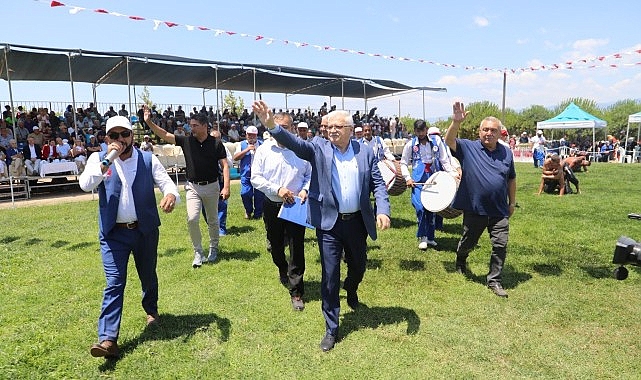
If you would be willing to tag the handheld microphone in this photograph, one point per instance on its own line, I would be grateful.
(110, 157)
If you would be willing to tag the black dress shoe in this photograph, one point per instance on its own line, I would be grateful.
(352, 300)
(328, 342)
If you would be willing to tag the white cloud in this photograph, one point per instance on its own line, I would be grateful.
(395, 19)
(590, 44)
(552, 46)
(522, 41)
(481, 21)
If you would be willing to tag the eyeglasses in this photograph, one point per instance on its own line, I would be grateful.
(115, 135)
(337, 127)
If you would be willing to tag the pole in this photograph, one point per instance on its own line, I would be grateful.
(217, 103)
(504, 86)
(13, 109)
(73, 100)
(423, 105)
(129, 89)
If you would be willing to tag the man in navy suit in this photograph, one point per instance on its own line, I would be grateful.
(343, 176)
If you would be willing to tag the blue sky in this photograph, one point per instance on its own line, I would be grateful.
(487, 34)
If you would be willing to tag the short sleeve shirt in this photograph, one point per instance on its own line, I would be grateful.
(483, 188)
(201, 158)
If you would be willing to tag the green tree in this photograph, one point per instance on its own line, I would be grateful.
(530, 116)
(617, 116)
(145, 97)
(233, 103)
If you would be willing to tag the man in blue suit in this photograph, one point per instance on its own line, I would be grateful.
(344, 175)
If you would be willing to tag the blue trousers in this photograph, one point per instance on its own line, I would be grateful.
(222, 215)
(252, 198)
(350, 236)
(425, 219)
(115, 249)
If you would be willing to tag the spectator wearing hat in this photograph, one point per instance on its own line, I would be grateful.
(302, 128)
(424, 156)
(63, 148)
(128, 224)
(537, 144)
(37, 136)
(233, 134)
(524, 139)
(358, 133)
(252, 199)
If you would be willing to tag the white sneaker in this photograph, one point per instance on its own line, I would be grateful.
(213, 254)
(422, 245)
(198, 260)
(431, 243)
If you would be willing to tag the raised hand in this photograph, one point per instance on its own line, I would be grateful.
(458, 112)
(264, 113)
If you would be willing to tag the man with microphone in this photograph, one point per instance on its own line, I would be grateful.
(128, 223)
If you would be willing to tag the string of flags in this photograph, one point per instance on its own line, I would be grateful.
(615, 60)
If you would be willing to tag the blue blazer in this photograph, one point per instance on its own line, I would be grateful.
(323, 205)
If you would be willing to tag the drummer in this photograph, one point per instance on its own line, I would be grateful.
(424, 157)
(381, 150)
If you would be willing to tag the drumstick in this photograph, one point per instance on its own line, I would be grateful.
(425, 183)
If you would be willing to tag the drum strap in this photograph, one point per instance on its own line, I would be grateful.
(393, 169)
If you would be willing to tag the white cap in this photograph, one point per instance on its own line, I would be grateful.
(433, 131)
(145, 137)
(358, 129)
(302, 124)
(64, 141)
(36, 128)
(252, 129)
(118, 121)
(539, 132)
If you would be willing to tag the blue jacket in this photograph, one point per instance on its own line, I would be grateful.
(144, 197)
(323, 205)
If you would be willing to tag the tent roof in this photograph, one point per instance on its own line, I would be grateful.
(635, 118)
(572, 117)
(51, 64)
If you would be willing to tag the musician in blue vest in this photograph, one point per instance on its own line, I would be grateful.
(252, 198)
(381, 150)
(128, 223)
(424, 157)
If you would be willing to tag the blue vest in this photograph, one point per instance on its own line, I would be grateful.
(143, 193)
(245, 163)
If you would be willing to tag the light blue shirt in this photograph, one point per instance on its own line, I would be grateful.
(345, 181)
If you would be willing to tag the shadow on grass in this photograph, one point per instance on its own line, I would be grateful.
(373, 317)
(239, 230)
(59, 244)
(33, 241)
(454, 229)
(511, 277)
(412, 265)
(238, 255)
(373, 264)
(547, 269)
(600, 272)
(9, 239)
(172, 327)
(402, 223)
(84, 244)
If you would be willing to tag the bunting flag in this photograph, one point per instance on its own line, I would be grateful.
(584, 63)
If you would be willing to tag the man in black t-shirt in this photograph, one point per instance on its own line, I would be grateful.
(202, 155)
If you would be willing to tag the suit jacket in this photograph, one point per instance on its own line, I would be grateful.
(27, 152)
(323, 204)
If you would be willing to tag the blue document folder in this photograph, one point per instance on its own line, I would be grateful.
(295, 212)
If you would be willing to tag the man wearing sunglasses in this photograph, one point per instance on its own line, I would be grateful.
(128, 223)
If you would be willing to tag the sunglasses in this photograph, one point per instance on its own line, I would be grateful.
(115, 135)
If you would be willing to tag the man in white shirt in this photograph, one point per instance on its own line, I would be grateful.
(63, 149)
(279, 174)
(128, 223)
(538, 148)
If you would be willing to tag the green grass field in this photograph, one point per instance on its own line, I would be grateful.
(566, 316)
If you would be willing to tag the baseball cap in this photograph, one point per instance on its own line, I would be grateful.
(302, 124)
(145, 137)
(36, 128)
(358, 129)
(433, 131)
(539, 132)
(504, 132)
(118, 121)
(251, 129)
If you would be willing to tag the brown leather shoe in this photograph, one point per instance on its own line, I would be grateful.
(153, 319)
(106, 349)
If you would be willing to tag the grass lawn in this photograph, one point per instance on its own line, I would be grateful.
(566, 316)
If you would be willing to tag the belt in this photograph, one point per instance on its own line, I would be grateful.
(129, 226)
(272, 202)
(348, 216)
(202, 183)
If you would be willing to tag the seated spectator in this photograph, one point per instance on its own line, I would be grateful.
(146, 144)
(37, 136)
(4, 170)
(49, 151)
(32, 154)
(93, 145)
(232, 133)
(79, 154)
(552, 176)
(180, 130)
(63, 149)
(15, 160)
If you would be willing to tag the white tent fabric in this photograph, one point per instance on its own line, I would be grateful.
(634, 118)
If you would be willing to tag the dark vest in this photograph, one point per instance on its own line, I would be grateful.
(143, 193)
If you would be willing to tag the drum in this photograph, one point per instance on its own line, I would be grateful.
(391, 173)
(438, 193)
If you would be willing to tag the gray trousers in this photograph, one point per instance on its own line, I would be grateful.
(498, 228)
(198, 197)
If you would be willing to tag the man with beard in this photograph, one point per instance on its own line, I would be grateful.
(252, 198)
(128, 223)
(202, 152)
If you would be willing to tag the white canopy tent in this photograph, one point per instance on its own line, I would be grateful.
(634, 118)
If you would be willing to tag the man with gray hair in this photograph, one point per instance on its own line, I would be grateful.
(344, 174)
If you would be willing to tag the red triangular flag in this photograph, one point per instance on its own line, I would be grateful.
(56, 4)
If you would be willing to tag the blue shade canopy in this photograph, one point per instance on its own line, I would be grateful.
(572, 117)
